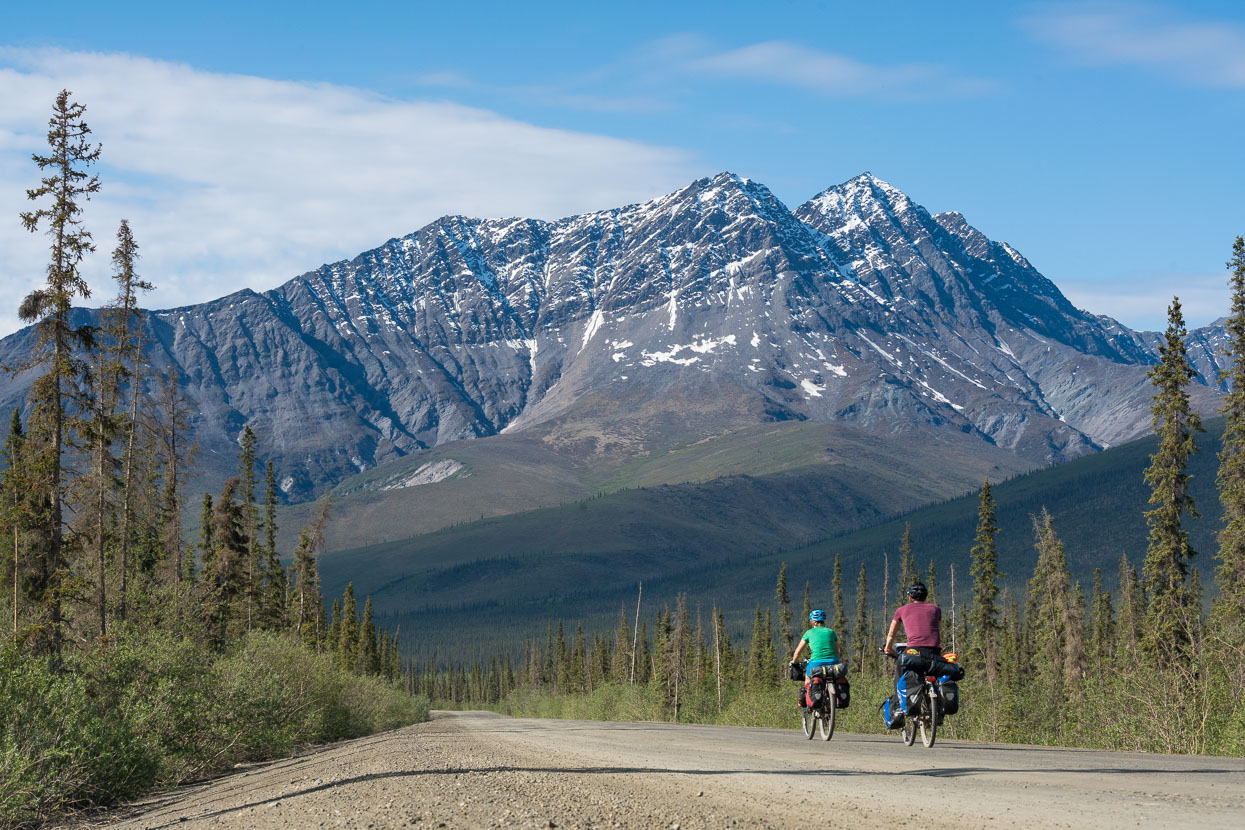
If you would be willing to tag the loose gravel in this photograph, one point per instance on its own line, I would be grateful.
(472, 770)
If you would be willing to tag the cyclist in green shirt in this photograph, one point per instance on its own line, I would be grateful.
(822, 643)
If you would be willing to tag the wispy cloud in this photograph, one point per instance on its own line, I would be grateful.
(656, 76)
(233, 181)
(1141, 302)
(828, 73)
(1206, 53)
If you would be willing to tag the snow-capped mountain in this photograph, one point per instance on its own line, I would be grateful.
(708, 309)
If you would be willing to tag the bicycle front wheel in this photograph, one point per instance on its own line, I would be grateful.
(909, 728)
(809, 719)
(827, 718)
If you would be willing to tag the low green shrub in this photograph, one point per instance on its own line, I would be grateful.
(147, 711)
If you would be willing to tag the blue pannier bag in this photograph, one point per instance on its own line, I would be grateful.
(892, 716)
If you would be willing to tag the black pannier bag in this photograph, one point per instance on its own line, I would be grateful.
(930, 666)
(843, 690)
(796, 670)
(945, 668)
(918, 663)
(950, 696)
(910, 686)
(834, 671)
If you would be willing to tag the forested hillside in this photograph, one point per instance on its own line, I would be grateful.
(721, 542)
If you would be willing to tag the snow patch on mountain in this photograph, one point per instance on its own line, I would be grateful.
(429, 473)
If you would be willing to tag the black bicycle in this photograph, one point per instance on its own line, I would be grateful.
(826, 694)
(932, 700)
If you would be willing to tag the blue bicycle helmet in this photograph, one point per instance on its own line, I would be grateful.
(818, 616)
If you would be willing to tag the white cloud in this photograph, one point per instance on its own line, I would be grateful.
(1141, 302)
(792, 64)
(1202, 53)
(231, 181)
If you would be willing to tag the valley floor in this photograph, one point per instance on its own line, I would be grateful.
(477, 769)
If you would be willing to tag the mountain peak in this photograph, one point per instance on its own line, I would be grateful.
(861, 196)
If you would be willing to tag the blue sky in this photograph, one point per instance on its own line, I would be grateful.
(249, 142)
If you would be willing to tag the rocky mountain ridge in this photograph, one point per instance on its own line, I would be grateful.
(654, 325)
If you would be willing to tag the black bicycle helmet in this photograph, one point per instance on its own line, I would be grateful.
(918, 591)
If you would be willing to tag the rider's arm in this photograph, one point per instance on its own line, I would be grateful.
(798, 649)
(890, 635)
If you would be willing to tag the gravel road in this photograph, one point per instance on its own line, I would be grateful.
(477, 769)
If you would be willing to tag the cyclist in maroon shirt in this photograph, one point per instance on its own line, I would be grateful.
(922, 623)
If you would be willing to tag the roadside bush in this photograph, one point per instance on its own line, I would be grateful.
(144, 711)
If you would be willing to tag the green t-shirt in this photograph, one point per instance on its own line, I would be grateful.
(822, 643)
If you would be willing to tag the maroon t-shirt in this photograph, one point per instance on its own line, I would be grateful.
(921, 621)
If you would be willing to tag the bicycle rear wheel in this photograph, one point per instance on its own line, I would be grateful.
(809, 719)
(929, 723)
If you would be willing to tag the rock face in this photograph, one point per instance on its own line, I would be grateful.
(665, 322)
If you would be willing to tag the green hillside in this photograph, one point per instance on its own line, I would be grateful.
(457, 592)
(507, 474)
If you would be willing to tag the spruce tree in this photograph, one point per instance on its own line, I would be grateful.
(808, 602)
(983, 618)
(862, 620)
(1054, 615)
(274, 575)
(784, 608)
(720, 665)
(98, 489)
(620, 662)
(174, 455)
(643, 661)
(207, 547)
(577, 671)
(756, 650)
(13, 509)
(250, 513)
(52, 421)
(1170, 616)
(1102, 625)
(769, 657)
(306, 597)
(1131, 610)
(348, 631)
(226, 576)
(680, 641)
(124, 326)
(561, 658)
(839, 624)
(1228, 612)
(659, 677)
(366, 652)
(907, 564)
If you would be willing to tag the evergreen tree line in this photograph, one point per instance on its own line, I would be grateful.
(1140, 667)
(94, 479)
(129, 658)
